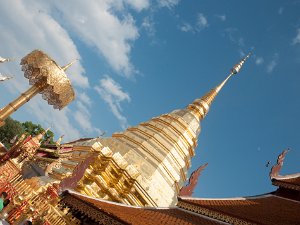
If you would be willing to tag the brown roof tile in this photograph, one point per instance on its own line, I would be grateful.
(268, 209)
(146, 216)
(289, 181)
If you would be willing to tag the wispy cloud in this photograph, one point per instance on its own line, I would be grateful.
(234, 36)
(280, 10)
(186, 27)
(83, 97)
(111, 92)
(259, 60)
(99, 26)
(273, 63)
(138, 4)
(221, 17)
(199, 25)
(168, 3)
(296, 40)
(201, 21)
(149, 25)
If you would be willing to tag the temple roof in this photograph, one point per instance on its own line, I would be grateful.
(264, 209)
(291, 181)
(132, 214)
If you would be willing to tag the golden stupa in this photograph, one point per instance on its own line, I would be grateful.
(145, 165)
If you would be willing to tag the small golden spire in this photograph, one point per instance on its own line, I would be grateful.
(5, 77)
(3, 60)
(42, 134)
(201, 106)
(64, 68)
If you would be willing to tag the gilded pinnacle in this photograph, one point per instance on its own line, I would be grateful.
(200, 107)
(64, 68)
(237, 67)
(3, 60)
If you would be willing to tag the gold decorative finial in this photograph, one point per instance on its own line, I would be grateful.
(64, 68)
(3, 60)
(237, 67)
(5, 77)
(200, 107)
(42, 134)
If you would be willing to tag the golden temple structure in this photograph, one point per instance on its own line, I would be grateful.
(137, 173)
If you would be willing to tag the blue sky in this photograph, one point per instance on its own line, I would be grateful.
(142, 58)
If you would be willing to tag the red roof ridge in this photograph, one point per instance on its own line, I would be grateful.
(288, 176)
(288, 199)
(203, 216)
(230, 198)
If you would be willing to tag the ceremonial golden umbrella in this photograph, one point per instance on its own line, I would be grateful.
(46, 78)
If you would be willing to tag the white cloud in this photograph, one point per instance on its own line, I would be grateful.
(259, 60)
(168, 3)
(221, 17)
(186, 27)
(201, 21)
(59, 121)
(139, 4)
(98, 26)
(296, 40)
(111, 92)
(230, 32)
(148, 25)
(84, 98)
(241, 42)
(273, 63)
(280, 10)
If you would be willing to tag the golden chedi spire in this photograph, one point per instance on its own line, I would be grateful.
(147, 164)
(200, 107)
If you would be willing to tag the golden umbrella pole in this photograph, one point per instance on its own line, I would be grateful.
(47, 78)
(18, 102)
